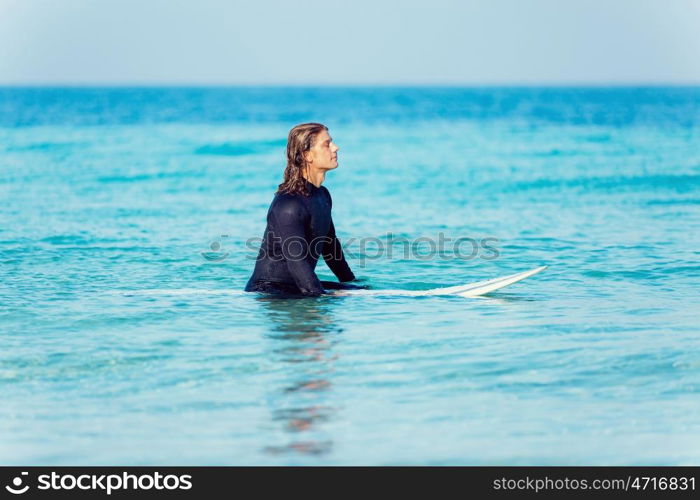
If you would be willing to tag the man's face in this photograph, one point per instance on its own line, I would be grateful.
(324, 153)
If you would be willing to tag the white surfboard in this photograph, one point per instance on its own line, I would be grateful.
(469, 290)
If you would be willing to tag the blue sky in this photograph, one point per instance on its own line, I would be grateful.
(359, 42)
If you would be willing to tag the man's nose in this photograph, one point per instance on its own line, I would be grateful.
(335, 148)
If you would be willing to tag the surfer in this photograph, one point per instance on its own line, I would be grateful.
(299, 224)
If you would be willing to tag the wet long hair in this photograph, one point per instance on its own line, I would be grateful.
(301, 139)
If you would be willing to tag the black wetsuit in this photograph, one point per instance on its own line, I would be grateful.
(299, 230)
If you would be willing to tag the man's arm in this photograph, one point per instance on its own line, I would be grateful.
(289, 216)
(333, 255)
(333, 251)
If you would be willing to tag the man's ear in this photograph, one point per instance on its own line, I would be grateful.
(308, 159)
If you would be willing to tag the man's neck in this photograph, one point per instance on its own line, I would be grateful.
(315, 177)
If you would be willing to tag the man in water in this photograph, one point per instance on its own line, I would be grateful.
(299, 225)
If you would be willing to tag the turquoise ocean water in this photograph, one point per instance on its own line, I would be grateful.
(125, 219)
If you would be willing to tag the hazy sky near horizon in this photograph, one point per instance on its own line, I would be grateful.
(359, 42)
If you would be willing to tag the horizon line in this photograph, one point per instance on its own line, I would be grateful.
(600, 84)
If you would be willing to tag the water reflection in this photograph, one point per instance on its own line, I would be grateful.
(302, 335)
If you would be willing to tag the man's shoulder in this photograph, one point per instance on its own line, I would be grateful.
(288, 204)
